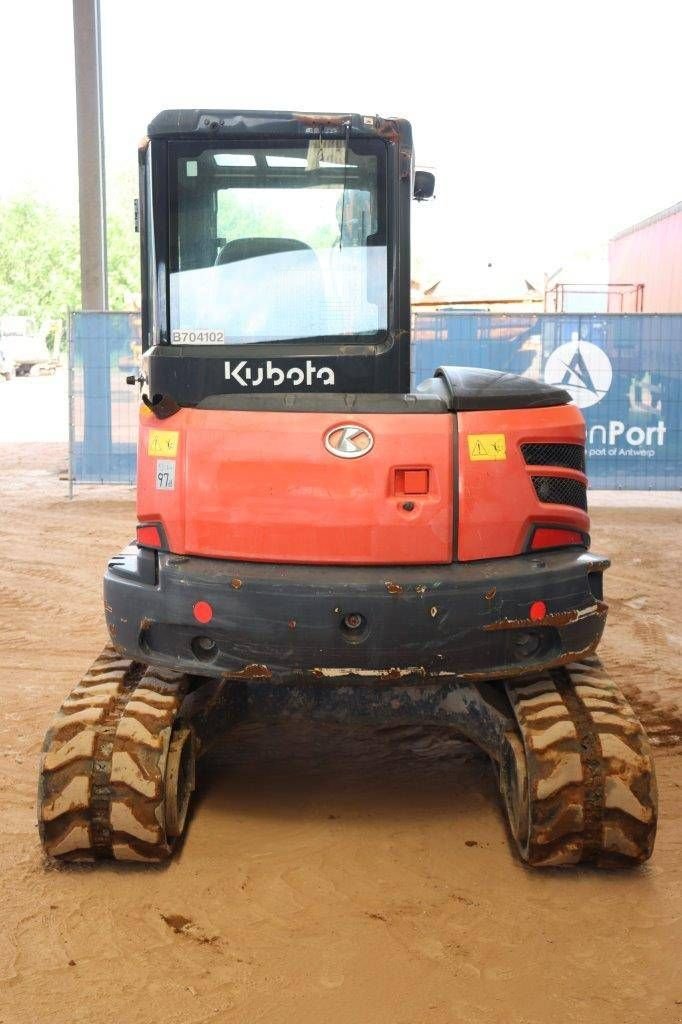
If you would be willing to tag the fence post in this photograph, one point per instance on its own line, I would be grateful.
(69, 387)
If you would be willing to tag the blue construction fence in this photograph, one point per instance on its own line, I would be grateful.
(624, 371)
(104, 348)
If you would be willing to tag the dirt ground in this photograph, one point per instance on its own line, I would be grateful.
(336, 875)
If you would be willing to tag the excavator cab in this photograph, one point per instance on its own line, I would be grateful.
(275, 252)
(314, 536)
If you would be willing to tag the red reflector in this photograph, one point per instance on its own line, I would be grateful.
(149, 536)
(202, 611)
(538, 610)
(545, 537)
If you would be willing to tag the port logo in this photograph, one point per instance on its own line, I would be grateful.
(582, 369)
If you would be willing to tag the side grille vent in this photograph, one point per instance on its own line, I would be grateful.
(569, 456)
(558, 490)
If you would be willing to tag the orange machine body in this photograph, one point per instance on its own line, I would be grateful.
(434, 488)
(497, 503)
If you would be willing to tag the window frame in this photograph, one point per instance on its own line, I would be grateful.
(178, 149)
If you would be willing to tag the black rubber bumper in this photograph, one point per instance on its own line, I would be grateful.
(292, 622)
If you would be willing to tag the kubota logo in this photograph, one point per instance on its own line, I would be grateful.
(253, 376)
(582, 369)
(349, 441)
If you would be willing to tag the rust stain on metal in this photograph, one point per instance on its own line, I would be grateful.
(393, 588)
(513, 671)
(390, 673)
(555, 619)
(420, 589)
(337, 120)
(254, 671)
(490, 594)
(236, 583)
(396, 673)
(387, 128)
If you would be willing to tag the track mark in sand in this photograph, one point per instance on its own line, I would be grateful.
(651, 634)
(43, 572)
(12, 638)
(463, 899)
(659, 710)
(19, 598)
(182, 925)
(663, 722)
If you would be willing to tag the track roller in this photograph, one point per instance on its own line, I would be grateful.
(180, 780)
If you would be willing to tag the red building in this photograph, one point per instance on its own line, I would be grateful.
(648, 257)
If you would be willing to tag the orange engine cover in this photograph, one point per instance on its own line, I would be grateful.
(262, 486)
(497, 503)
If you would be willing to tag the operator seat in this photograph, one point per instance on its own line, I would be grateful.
(249, 248)
(288, 279)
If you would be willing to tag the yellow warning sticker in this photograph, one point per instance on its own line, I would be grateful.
(487, 447)
(163, 443)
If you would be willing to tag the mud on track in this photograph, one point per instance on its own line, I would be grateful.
(329, 875)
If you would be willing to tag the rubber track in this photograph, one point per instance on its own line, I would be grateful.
(101, 784)
(591, 785)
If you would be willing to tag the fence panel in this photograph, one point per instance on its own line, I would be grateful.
(103, 348)
(624, 371)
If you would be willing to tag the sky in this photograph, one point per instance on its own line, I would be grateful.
(550, 126)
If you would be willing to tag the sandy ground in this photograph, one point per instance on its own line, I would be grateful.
(332, 875)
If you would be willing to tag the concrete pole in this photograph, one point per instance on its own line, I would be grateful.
(91, 190)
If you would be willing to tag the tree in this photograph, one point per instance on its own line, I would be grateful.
(40, 257)
(123, 244)
(39, 260)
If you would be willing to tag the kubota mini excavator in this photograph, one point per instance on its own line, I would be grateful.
(315, 538)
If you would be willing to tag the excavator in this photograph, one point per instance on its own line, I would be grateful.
(316, 539)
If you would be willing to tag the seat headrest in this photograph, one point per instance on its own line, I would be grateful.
(248, 248)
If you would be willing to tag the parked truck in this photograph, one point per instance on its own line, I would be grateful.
(24, 347)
